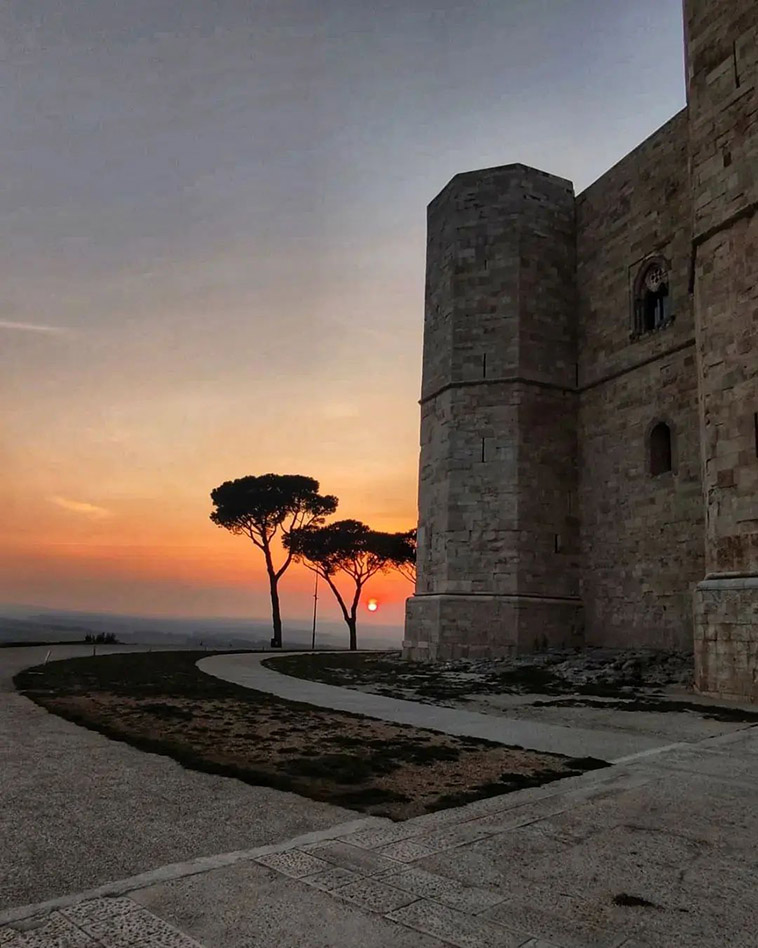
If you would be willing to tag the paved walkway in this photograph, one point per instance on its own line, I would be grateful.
(659, 853)
(248, 670)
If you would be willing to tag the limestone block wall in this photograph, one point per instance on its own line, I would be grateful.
(468, 503)
(497, 492)
(723, 129)
(638, 209)
(641, 536)
(548, 521)
(726, 644)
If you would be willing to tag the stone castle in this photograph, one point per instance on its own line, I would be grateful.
(589, 423)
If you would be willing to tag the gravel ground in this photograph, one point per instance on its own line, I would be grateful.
(591, 671)
(630, 691)
(79, 810)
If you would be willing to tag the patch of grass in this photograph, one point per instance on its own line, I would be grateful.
(372, 797)
(163, 710)
(341, 768)
(346, 740)
(160, 702)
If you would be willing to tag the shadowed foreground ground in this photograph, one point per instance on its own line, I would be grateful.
(659, 851)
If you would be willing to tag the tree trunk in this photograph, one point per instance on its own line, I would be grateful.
(351, 624)
(276, 641)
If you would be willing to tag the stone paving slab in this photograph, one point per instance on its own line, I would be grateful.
(137, 928)
(366, 862)
(92, 911)
(407, 850)
(54, 932)
(457, 928)
(102, 923)
(527, 915)
(374, 895)
(465, 898)
(247, 670)
(295, 864)
(251, 906)
(332, 879)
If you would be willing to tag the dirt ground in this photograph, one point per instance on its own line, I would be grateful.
(162, 703)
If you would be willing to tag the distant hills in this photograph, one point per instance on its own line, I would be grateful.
(34, 624)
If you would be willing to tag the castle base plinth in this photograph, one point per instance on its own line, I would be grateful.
(443, 627)
(726, 638)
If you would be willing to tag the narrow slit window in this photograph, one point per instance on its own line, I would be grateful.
(652, 303)
(661, 460)
(655, 307)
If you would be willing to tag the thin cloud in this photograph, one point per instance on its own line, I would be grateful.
(32, 327)
(81, 507)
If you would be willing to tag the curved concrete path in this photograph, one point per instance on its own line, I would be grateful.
(247, 670)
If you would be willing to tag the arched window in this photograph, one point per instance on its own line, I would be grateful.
(661, 456)
(652, 299)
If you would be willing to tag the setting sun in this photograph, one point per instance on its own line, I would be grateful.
(372, 605)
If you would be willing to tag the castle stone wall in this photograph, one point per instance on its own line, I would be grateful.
(723, 97)
(498, 462)
(638, 209)
(642, 536)
(546, 368)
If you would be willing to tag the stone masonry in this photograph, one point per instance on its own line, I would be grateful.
(589, 408)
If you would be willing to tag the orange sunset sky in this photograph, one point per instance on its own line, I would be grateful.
(213, 261)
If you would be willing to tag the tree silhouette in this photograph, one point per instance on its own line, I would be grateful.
(264, 507)
(352, 548)
(407, 567)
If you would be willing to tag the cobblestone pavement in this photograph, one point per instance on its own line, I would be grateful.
(657, 853)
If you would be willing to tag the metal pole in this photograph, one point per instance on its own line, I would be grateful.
(315, 605)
